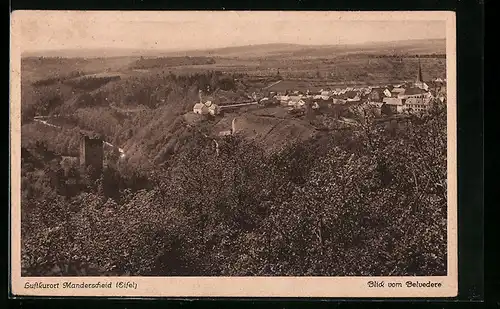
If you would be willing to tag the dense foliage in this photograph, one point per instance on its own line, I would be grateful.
(366, 201)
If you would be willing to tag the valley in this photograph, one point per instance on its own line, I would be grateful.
(261, 160)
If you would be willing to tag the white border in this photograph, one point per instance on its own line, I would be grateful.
(240, 286)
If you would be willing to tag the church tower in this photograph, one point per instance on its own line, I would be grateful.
(419, 83)
(419, 74)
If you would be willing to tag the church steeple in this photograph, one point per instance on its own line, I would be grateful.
(200, 95)
(419, 75)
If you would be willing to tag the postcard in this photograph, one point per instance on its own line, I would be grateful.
(233, 154)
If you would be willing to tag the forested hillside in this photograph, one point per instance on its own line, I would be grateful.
(373, 195)
(308, 197)
(149, 134)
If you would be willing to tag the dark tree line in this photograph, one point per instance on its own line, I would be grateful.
(373, 194)
(150, 63)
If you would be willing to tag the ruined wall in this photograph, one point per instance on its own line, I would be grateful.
(91, 153)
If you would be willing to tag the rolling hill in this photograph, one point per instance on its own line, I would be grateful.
(265, 50)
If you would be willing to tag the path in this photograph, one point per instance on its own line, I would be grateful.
(237, 105)
(275, 83)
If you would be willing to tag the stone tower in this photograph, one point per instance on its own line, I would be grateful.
(91, 153)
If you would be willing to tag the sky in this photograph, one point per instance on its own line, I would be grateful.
(204, 30)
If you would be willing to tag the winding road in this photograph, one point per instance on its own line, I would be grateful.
(43, 120)
(275, 83)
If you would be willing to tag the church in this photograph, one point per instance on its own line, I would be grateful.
(419, 83)
(414, 97)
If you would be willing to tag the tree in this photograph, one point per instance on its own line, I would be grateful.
(386, 110)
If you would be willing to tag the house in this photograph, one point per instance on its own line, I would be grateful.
(338, 100)
(347, 96)
(356, 97)
(225, 133)
(294, 98)
(213, 109)
(200, 108)
(395, 104)
(209, 107)
(296, 102)
(387, 92)
(397, 92)
(415, 104)
(375, 104)
(405, 85)
(377, 95)
(283, 98)
(321, 104)
(318, 97)
(265, 101)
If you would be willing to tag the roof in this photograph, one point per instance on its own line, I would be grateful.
(407, 85)
(199, 106)
(414, 101)
(380, 91)
(347, 95)
(413, 91)
(295, 98)
(393, 101)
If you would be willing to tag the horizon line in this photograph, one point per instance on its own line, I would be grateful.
(221, 47)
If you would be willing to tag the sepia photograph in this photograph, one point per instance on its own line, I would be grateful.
(217, 150)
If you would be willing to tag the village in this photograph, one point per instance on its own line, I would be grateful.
(399, 100)
(403, 98)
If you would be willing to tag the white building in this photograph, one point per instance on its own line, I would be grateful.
(387, 93)
(213, 109)
(415, 105)
(200, 108)
(225, 133)
(396, 104)
(206, 108)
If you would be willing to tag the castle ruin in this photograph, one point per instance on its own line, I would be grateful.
(91, 153)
